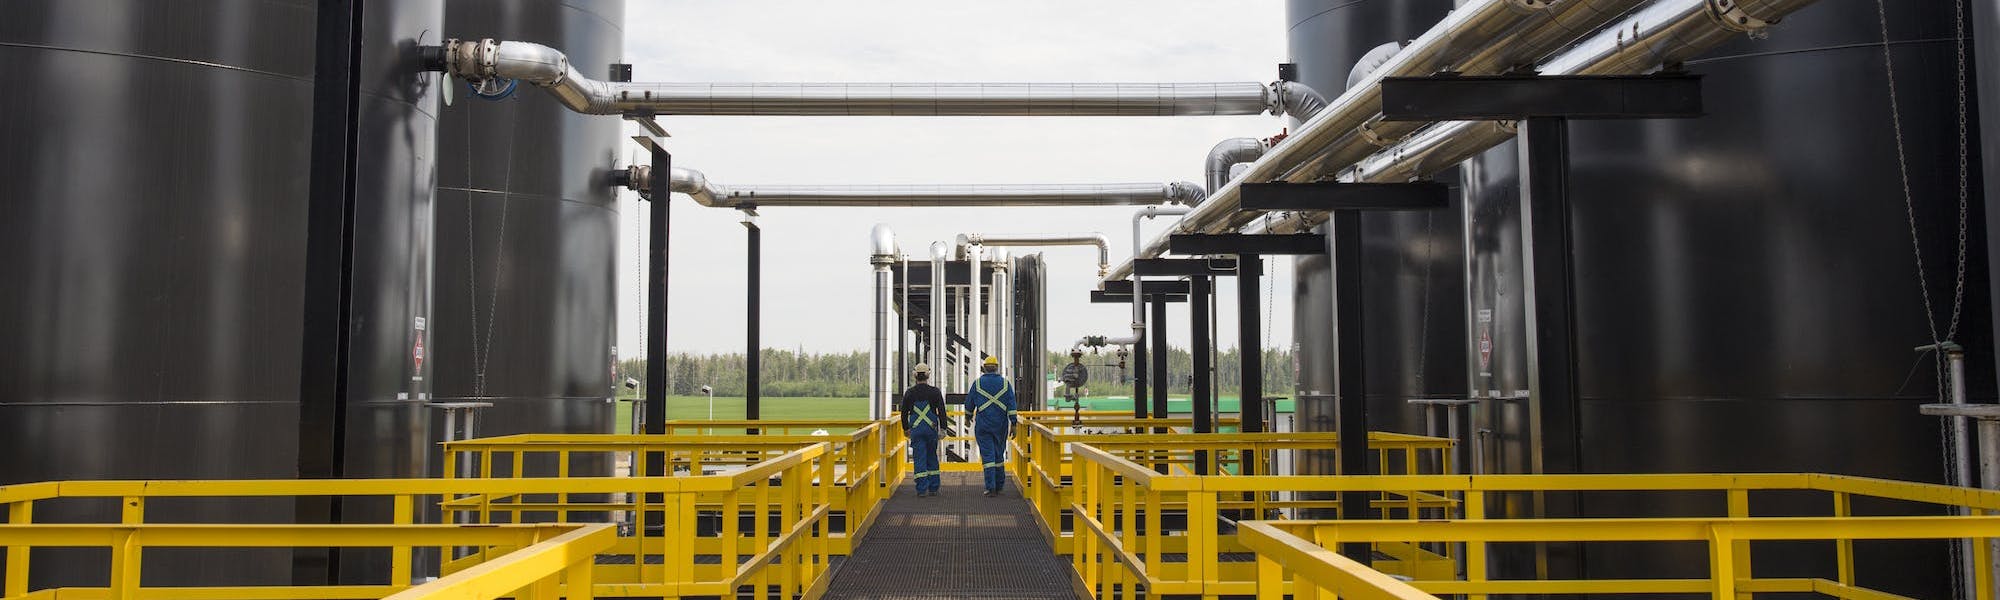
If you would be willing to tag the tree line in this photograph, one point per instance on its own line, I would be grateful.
(788, 373)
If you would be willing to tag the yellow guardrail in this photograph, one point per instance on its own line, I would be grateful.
(1043, 462)
(1118, 503)
(785, 497)
(868, 462)
(539, 558)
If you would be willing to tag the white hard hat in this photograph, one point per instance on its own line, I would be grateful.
(922, 368)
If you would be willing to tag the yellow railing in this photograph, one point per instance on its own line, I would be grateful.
(1118, 500)
(868, 462)
(785, 498)
(536, 559)
(1043, 462)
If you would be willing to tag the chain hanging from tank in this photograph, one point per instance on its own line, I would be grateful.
(1941, 381)
(482, 346)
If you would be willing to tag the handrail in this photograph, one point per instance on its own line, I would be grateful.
(1278, 551)
(1283, 548)
(572, 556)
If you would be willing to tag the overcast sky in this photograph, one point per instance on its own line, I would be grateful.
(816, 272)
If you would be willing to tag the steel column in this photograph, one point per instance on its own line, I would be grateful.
(329, 275)
(1199, 299)
(656, 304)
(753, 360)
(1250, 342)
(1139, 371)
(1349, 320)
(1162, 385)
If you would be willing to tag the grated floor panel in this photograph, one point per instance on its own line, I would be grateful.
(957, 545)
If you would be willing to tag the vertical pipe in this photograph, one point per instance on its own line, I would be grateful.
(975, 320)
(1162, 383)
(903, 328)
(878, 380)
(1476, 454)
(938, 343)
(1250, 343)
(328, 276)
(1350, 379)
(1549, 295)
(1198, 301)
(753, 360)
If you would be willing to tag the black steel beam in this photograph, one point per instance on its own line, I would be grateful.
(1349, 320)
(1240, 244)
(658, 224)
(1124, 287)
(1204, 419)
(1250, 343)
(1184, 267)
(753, 361)
(1162, 384)
(1335, 195)
(1139, 371)
(1511, 97)
(956, 272)
(1100, 297)
(329, 281)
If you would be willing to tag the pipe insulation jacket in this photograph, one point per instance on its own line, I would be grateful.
(1665, 32)
(549, 69)
(708, 193)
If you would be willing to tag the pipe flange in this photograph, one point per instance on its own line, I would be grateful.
(1367, 131)
(1731, 15)
(639, 178)
(1529, 5)
(489, 58)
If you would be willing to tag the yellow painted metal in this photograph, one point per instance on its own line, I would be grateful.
(127, 543)
(799, 481)
(539, 567)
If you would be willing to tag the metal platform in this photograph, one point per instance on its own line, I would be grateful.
(957, 545)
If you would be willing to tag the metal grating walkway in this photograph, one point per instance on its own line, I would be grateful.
(957, 545)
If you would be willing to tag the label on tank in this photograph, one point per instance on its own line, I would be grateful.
(1485, 342)
(417, 352)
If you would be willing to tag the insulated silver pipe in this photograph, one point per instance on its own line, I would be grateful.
(1103, 244)
(1229, 153)
(1138, 237)
(975, 321)
(883, 256)
(1003, 307)
(1665, 32)
(940, 257)
(708, 193)
(549, 69)
(1098, 341)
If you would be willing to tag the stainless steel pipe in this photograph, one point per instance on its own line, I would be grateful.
(1103, 244)
(1665, 32)
(549, 69)
(1227, 154)
(882, 257)
(707, 193)
(940, 257)
(1138, 237)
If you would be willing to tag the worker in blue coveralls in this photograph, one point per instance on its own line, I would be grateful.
(923, 411)
(993, 420)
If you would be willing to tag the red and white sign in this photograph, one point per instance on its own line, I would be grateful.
(417, 352)
(1485, 349)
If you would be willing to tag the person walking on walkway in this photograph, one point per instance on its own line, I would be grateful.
(923, 410)
(993, 421)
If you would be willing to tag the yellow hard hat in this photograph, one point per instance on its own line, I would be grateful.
(991, 361)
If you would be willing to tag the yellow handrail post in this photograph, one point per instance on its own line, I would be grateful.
(788, 518)
(1473, 504)
(1202, 547)
(579, 578)
(562, 499)
(125, 559)
(132, 510)
(399, 556)
(1982, 560)
(1722, 562)
(1844, 548)
(761, 527)
(1739, 508)
(1128, 523)
(732, 528)
(678, 519)
(1270, 579)
(18, 513)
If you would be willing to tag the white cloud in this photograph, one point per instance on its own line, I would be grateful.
(816, 273)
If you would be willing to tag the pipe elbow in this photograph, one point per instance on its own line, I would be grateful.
(1293, 99)
(1184, 192)
(530, 62)
(883, 242)
(940, 252)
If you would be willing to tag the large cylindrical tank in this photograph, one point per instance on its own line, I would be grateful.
(1413, 282)
(1745, 288)
(154, 220)
(527, 233)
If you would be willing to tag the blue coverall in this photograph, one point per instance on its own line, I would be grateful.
(924, 446)
(993, 398)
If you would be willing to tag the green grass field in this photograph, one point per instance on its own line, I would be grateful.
(731, 407)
